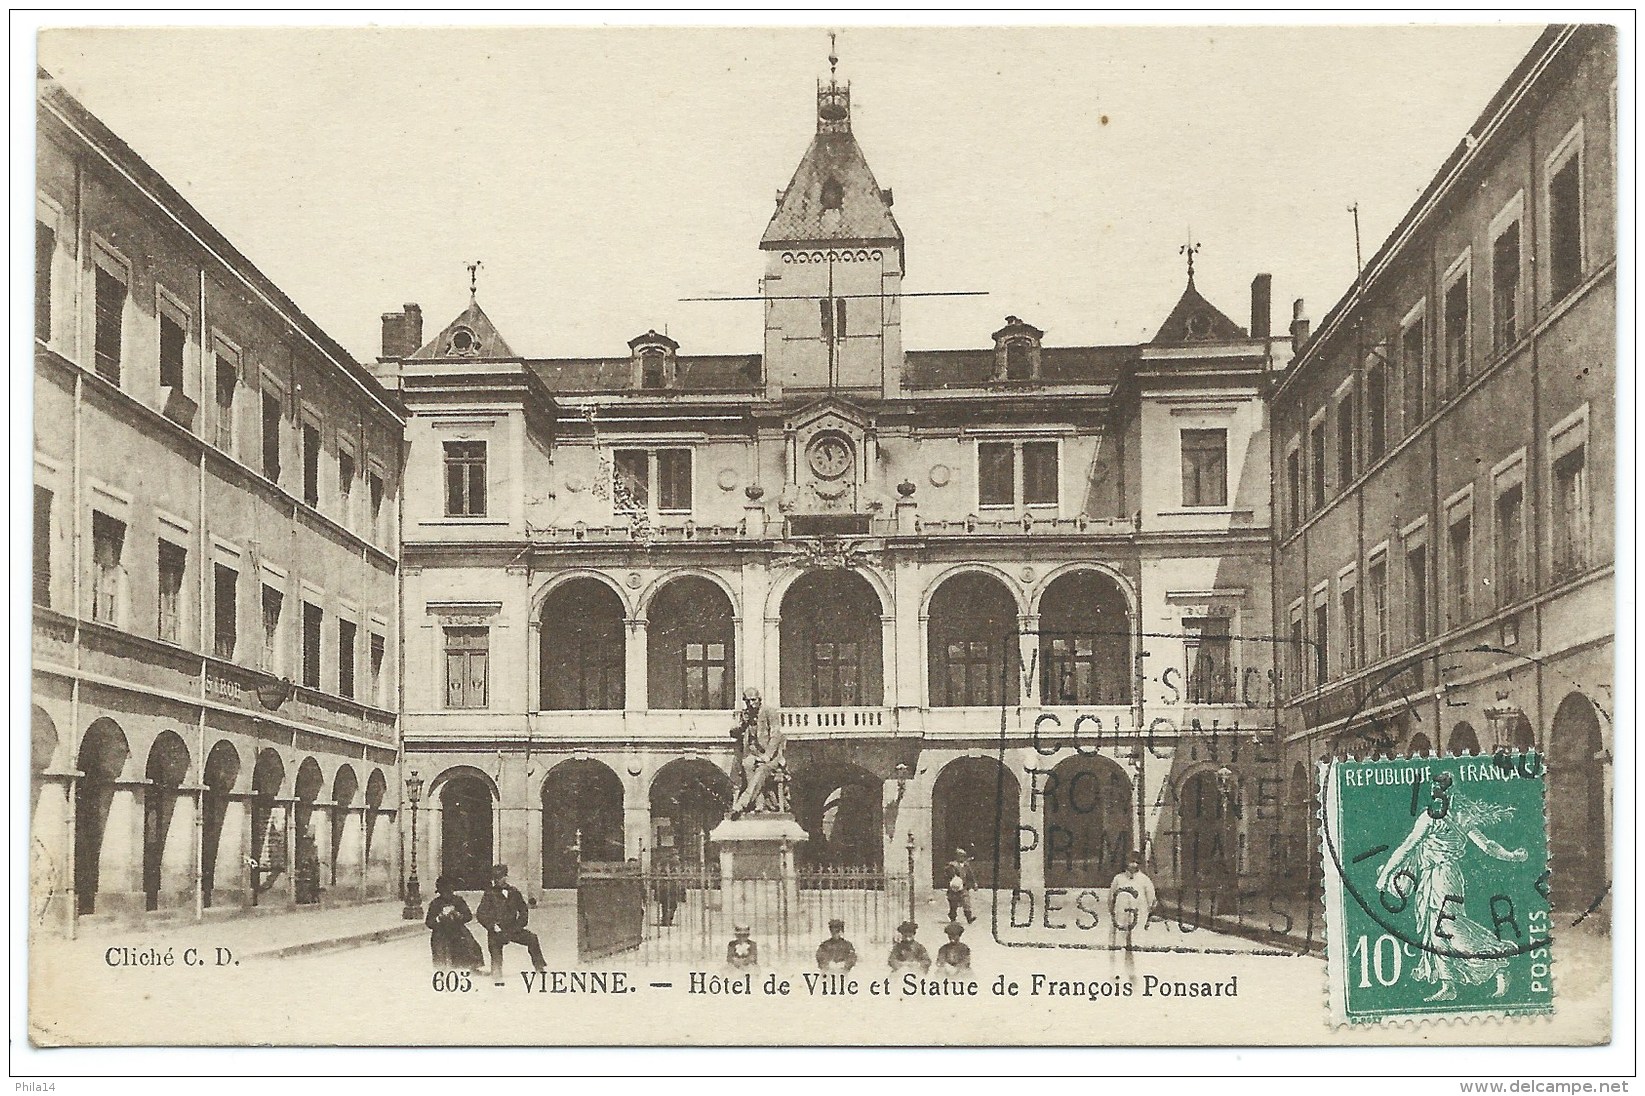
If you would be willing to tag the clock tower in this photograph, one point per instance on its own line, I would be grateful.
(834, 267)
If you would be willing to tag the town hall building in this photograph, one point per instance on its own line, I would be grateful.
(1008, 597)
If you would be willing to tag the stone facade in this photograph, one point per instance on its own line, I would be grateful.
(1446, 559)
(216, 484)
(928, 561)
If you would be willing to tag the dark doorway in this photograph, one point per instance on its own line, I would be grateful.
(1209, 833)
(689, 797)
(582, 819)
(974, 807)
(466, 832)
(102, 758)
(1576, 803)
(841, 809)
(166, 773)
(1086, 833)
(222, 770)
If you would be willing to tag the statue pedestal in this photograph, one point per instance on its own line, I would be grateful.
(759, 883)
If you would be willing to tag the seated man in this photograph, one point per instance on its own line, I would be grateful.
(504, 913)
(761, 742)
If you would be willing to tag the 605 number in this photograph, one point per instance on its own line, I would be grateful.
(453, 981)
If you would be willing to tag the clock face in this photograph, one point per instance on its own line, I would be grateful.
(830, 457)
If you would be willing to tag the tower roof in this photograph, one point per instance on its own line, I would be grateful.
(470, 335)
(1195, 319)
(833, 194)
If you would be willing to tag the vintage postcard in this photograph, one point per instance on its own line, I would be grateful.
(1149, 578)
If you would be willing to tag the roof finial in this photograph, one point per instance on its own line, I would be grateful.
(473, 278)
(833, 59)
(1189, 249)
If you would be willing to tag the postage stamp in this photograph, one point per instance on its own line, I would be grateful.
(1436, 887)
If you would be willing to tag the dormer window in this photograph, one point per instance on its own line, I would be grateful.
(654, 369)
(1017, 351)
(463, 342)
(833, 194)
(652, 357)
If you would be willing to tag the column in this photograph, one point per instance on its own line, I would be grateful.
(894, 696)
(319, 824)
(120, 860)
(51, 887)
(178, 871)
(286, 892)
(1031, 862)
(379, 867)
(229, 885)
(350, 881)
(770, 685)
(905, 646)
(637, 820)
(1028, 666)
(634, 664)
(754, 587)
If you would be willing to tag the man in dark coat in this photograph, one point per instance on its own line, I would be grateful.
(504, 913)
(960, 882)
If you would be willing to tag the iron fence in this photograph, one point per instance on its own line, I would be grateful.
(690, 915)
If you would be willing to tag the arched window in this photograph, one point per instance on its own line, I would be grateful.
(1085, 641)
(971, 648)
(582, 648)
(830, 651)
(690, 647)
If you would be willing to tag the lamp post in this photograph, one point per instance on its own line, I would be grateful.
(910, 875)
(414, 891)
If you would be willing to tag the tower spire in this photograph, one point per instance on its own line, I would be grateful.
(834, 100)
(473, 279)
(1189, 249)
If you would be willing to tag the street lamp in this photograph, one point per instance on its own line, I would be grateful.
(414, 891)
(911, 875)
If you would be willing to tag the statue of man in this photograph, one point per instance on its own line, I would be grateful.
(761, 740)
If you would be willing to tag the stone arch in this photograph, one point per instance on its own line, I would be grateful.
(642, 606)
(788, 577)
(376, 795)
(691, 645)
(44, 745)
(1579, 829)
(1005, 577)
(1087, 807)
(1464, 740)
(688, 796)
(345, 786)
(572, 574)
(308, 787)
(1419, 746)
(582, 818)
(974, 804)
(166, 841)
(269, 836)
(1086, 638)
(463, 804)
(1300, 818)
(841, 806)
(1036, 595)
(831, 640)
(221, 778)
(582, 661)
(1208, 830)
(972, 656)
(102, 849)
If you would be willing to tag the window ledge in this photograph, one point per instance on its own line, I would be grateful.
(499, 522)
(1208, 511)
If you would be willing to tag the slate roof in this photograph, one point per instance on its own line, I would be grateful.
(1211, 325)
(692, 373)
(928, 369)
(865, 210)
(489, 343)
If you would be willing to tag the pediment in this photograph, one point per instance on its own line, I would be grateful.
(829, 412)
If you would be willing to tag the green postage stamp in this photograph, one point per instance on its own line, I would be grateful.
(1436, 888)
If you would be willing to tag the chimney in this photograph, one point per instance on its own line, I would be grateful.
(402, 331)
(1299, 324)
(1262, 306)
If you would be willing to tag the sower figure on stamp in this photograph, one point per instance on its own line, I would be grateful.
(763, 763)
(504, 913)
(1456, 948)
